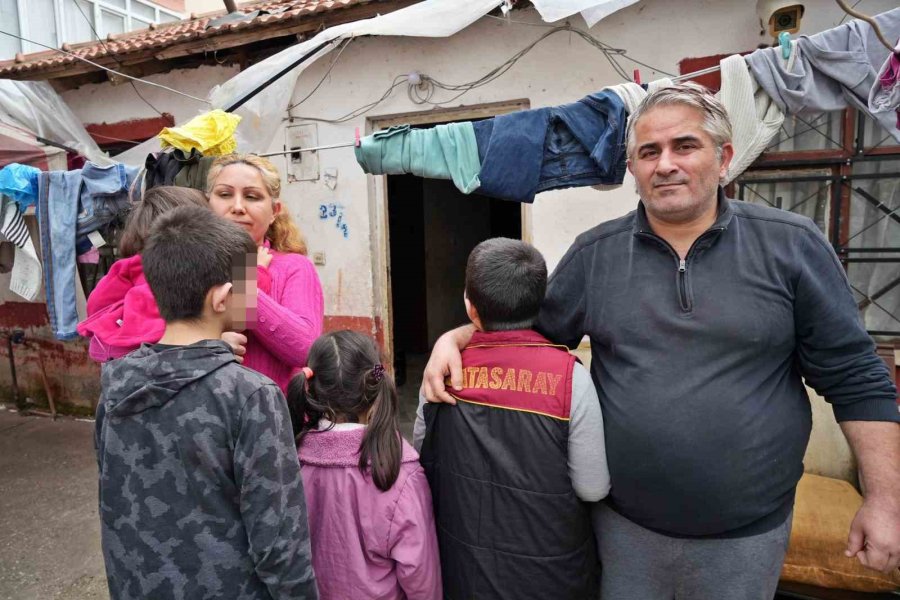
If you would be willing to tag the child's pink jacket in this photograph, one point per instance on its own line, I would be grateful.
(367, 543)
(122, 312)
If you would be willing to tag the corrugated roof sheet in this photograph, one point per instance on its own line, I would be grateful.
(171, 34)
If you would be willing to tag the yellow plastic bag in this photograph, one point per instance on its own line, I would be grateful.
(211, 133)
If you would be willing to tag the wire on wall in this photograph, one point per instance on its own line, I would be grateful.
(421, 88)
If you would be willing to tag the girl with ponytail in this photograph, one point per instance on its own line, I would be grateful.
(369, 504)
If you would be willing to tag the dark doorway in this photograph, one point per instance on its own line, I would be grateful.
(432, 229)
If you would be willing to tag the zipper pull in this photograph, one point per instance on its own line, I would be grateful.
(682, 267)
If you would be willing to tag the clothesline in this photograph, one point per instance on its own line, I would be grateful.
(354, 143)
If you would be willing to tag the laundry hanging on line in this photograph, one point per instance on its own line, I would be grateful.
(176, 167)
(443, 152)
(19, 182)
(25, 270)
(885, 94)
(211, 133)
(832, 70)
(73, 205)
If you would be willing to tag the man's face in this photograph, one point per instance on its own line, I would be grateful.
(674, 164)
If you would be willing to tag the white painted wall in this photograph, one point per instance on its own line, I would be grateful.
(108, 103)
(561, 69)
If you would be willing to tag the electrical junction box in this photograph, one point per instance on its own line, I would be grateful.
(302, 166)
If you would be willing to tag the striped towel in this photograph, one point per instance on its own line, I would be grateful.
(12, 225)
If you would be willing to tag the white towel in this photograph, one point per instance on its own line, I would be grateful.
(755, 118)
(26, 275)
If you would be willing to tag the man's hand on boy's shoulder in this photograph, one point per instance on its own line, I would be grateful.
(445, 360)
(238, 343)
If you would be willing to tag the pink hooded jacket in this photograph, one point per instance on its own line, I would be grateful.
(367, 543)
(122, 312)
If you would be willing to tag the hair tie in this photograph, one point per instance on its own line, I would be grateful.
(307, 372)
(378, 372)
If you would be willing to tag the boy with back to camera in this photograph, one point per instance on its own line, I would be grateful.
(200, 488)
(515, 463)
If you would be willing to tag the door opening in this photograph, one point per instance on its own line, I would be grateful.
(432, 228)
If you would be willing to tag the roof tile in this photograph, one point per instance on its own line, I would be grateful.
(170, 34)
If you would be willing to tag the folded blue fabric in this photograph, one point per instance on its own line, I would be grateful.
(531, 151)
(20, 182)
(441, 152)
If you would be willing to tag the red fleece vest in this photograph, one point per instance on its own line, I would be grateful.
(518, 370)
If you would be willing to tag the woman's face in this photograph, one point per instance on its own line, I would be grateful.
(240, 195)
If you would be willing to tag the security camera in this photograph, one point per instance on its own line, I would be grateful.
(777, 16)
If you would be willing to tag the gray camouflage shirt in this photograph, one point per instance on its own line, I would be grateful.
(200, 487)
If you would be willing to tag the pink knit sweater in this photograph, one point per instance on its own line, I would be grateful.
(289, 319)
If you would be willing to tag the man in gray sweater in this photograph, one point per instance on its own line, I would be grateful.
(705, 315)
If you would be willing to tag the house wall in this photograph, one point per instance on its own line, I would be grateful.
(560, 69)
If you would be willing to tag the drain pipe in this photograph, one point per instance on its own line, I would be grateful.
(16, 336)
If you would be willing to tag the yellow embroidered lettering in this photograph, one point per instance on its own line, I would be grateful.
(540, 384)
(471, 373)
(482, 378)
(554, 381)
(524, 380)
(509, 383)
(496, 378)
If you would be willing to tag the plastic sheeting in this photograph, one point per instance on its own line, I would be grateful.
(263, 114)
(35, 106)
(591, 10)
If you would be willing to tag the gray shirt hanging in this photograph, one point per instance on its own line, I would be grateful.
(832, 70)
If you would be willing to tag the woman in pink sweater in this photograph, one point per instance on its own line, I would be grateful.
(246, 190)
(371, 523)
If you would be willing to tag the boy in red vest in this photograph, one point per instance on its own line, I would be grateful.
(515, 464)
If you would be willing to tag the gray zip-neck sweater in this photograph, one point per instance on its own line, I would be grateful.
(698, 363)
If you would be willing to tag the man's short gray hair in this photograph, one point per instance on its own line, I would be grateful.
(694, 95)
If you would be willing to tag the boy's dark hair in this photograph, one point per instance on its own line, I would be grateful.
(189, 251)
(505, 281)
(155, 202)
(348, 380)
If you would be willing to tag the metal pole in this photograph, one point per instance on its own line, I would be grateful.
(12, 370)
(230, 6)
(233, 107)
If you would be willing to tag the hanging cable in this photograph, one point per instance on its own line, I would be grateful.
(421, 88)
(113, 54)
(399, 80)
(115, 139)
(99, 66)
(324, 77)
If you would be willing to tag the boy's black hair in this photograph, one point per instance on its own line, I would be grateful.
(506, 281)
(189, 251)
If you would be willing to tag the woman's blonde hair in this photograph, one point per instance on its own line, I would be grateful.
(283, 234)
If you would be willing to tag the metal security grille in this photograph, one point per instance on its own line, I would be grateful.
(843, 171)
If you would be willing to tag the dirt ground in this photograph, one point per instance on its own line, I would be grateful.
(49, 531)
